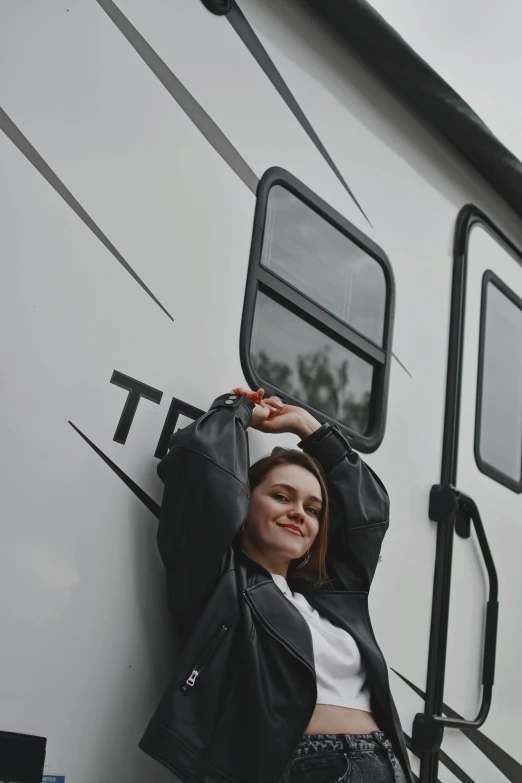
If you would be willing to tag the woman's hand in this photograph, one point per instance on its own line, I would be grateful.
(271, 415)
(263, 407)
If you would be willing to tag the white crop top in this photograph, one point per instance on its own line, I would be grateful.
(341, 678)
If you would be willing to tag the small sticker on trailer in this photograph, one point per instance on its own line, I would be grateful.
(53, 779)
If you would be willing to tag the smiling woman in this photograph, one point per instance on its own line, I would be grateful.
(286, 531)
(268, 568)
(287, 524)
(288, 519)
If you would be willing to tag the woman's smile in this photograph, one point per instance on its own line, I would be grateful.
(291, 529)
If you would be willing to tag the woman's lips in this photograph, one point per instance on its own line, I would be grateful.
(294, 530)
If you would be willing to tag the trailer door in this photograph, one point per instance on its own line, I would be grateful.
(474, 674)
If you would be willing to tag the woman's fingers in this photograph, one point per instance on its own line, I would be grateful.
(250, 395)
(241, 390)
(273, 403)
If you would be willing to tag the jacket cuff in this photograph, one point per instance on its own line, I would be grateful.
(327, 445)
(238, 403)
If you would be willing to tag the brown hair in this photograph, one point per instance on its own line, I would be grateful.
(257, 473)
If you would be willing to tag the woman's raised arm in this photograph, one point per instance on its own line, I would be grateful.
(204, 504)
(359, 508)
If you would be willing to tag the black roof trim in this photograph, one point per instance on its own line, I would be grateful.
(380, 47)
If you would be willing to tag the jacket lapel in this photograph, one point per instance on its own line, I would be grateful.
(345, 609)
(282, 619)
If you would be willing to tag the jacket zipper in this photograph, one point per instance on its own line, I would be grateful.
(281, 641)
(203, 660)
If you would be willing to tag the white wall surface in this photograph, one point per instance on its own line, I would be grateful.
(87, 650)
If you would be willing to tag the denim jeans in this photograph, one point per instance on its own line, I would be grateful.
(344, 758)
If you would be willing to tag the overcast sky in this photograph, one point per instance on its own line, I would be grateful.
(475, 46)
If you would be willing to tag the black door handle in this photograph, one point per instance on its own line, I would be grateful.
(446, 504)
(468, 505)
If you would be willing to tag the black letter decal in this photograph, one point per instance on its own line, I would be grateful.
(177, 407)
(136, 390)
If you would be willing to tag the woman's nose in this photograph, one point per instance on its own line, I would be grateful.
(297, 512)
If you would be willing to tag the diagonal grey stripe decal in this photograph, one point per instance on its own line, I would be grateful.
(402, 365)
(240, 24)
(453, 767)
(194, 111)
(26, 148)
(449, 763)
(138, 491)
(502, 760)
(407, 739)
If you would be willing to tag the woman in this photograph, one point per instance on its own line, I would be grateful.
(268, 570)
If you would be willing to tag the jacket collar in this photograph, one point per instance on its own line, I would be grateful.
(297, 584)
(343, 608)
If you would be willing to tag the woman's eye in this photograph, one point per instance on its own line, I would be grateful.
(313, 510)
(280, 497)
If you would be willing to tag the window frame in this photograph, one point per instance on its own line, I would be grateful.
(485, 467)
(268, 282)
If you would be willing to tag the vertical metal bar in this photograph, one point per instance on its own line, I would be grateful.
(445, 530)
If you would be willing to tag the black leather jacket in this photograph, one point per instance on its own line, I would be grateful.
(244, 688)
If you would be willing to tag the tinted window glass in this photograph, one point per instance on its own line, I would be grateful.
(500, 443)
(289, 353)
(320, 261)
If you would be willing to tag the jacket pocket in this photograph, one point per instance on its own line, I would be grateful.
(203, 659)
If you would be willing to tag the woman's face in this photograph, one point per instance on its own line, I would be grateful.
(288, 496)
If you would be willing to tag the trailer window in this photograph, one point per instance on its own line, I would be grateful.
(498, 436)
(323, 263)
(316, 323)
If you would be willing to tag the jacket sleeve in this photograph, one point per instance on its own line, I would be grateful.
(359, 508)
(204, 504)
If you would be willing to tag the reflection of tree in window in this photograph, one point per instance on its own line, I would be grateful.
(320, 384)
(276, 373)
(356, 414)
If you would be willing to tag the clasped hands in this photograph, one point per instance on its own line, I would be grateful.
(272, 415)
